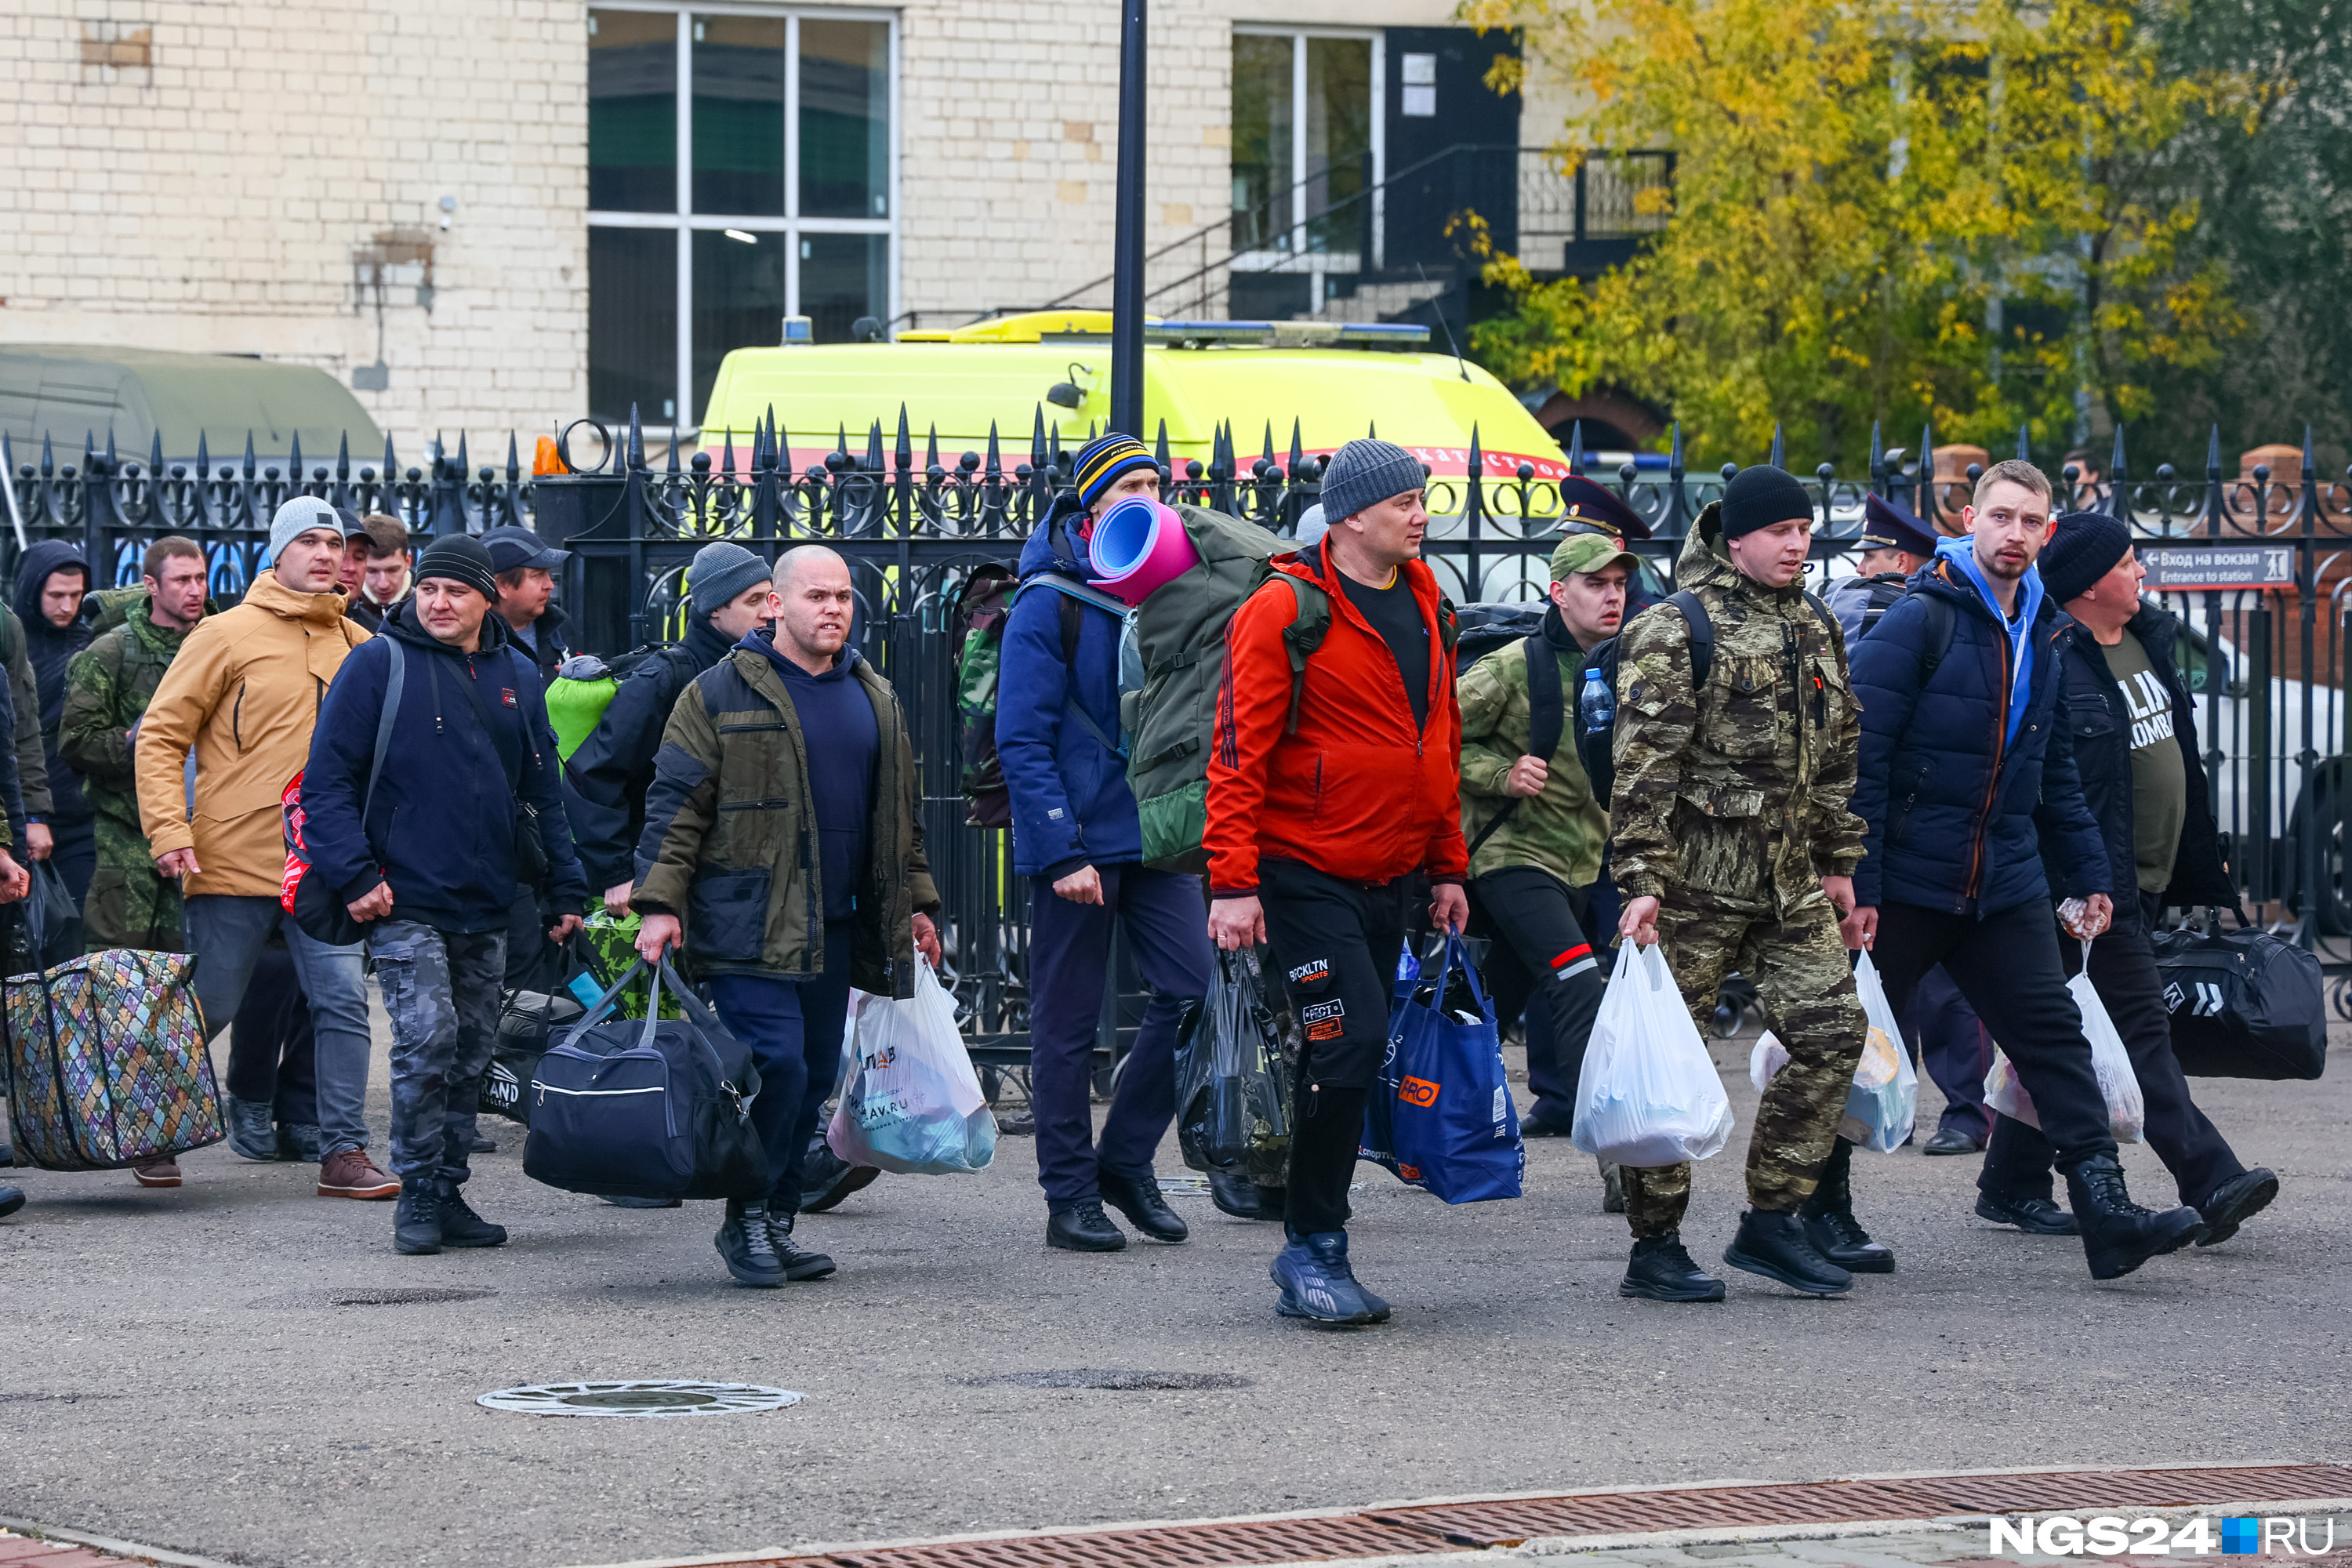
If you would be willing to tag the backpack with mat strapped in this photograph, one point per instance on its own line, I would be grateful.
(657, 1109)
(2244, 1004)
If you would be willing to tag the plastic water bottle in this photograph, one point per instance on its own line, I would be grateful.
(1596, 706)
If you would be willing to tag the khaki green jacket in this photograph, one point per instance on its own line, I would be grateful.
(1562, 830)
(108, 687)
(730, 846)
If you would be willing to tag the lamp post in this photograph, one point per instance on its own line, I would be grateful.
(1126, 281)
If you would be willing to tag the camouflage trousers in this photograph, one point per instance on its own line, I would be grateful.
(1805, 988)
(127, 904)
(441, 990)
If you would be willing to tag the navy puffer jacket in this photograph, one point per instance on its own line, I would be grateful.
(1957, 816)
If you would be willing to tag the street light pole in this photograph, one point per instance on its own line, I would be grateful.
(1127, 282)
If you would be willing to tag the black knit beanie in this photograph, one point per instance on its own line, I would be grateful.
(461, 559)
(2085, 549)
(1762, 496)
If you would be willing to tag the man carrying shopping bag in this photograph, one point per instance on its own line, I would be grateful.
(1734, 847)
(784, 852)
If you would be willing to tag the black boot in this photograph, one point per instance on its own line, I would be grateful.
(1084, 1228)
(11, 1200)
(1829, 1219)
(1775, 1246)
(798, 1262)
(1243, 1198)
(461, 1226)
(416, 1217)
(1137, 1197)
(743, 1243)
(1662, 1271)
(2118, 1236)
(2235, 1202)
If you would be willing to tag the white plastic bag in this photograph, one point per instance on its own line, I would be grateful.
(1885, 1100)
(2118, 1084)
(1765, 1062)
(1649, 1094)
(909, 1101)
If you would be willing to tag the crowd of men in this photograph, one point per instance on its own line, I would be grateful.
(1976, 761)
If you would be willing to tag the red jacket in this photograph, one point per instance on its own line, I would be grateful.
(1355, 794)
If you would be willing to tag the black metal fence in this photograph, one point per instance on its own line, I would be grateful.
(2271, 661)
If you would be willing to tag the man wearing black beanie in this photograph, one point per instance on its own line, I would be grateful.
(2135, 733)
(1733, 845)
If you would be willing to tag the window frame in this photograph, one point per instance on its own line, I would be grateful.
(685, 221)
(1300, 256)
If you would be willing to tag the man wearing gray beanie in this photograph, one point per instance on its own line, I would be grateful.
(607, 778)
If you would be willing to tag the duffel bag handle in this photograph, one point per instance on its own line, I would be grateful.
(604, 1004)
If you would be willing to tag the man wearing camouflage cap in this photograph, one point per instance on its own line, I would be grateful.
(1536, 832)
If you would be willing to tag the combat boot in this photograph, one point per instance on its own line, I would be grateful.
(744, 1243)
(416, 1217)
(1318, 1284)
(1774, 1245)
(797, 1261)
(1661, 1270)
(2118, 1236)
(1829, 1221)
(461, 1226)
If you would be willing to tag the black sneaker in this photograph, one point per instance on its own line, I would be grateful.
(744, 1243)
(300, 1140)
(1239, 1197)
(416, 1218)
(461, 1226)
(251, 1134)
(1661, 1270)
(2036, 1216)
(11, 1200)
(2235, 1202)
(1084, 1228)
(1138, 1199)
(1839, 1237)
(798, 1262)
(1774, 1245)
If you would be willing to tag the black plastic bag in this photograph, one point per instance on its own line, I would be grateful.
(1232, 1086)
(53, 925)
(2244, 1004)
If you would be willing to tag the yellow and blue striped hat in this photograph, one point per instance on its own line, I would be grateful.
(1101, 461)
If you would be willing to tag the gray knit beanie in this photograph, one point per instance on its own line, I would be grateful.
(298, 517)
(1366, 472)
(719, 572)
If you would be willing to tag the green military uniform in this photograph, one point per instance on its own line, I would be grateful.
(1729, 807)
(108, 687)
(1560, 828)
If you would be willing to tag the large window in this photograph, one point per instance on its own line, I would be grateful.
(1307, 152)
(741, 168)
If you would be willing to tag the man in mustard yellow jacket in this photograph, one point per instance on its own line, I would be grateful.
(241, 701)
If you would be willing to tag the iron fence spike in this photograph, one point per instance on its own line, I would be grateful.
(1779, 457)
(636, 438)
(1576, 447)
(1298, 449)
(248, 455)
(931, 449)
(906, 448)
(514, 460)
(2024, 443)
(344, 456)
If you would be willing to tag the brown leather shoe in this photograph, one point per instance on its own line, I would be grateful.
(350, 1174)
(157, 1173)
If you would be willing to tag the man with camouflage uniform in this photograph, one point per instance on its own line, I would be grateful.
(108, 686)
(1734, 844)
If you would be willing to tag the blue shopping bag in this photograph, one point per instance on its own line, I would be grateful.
(1441, 1115)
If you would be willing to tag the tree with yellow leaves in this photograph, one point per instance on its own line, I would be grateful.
(1881, 210)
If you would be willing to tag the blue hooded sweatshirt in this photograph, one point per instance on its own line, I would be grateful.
(1071, 805)
(1961, 552)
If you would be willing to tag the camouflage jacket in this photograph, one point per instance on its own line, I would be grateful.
(1562, 829)
(1740, 790)
(108, 687)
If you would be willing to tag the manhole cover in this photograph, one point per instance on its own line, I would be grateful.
(400, 1294)
(1184, 1186)
(1121, 1382)
(643, 1396)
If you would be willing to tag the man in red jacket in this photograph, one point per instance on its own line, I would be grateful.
(1322, 799)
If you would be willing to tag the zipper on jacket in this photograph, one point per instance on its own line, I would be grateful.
(236, 719)
(1993, 782)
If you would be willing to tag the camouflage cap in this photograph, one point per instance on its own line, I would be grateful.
(1581, 553)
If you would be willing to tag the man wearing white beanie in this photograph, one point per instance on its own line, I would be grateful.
(244, 696)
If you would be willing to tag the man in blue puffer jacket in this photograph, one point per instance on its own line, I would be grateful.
(1075, 836)
(1966, 775)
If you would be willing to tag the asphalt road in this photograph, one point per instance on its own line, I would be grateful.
(172, 1373)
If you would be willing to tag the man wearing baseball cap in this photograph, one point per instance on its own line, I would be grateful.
(244, 695)
(526, 567)
(1536, 832)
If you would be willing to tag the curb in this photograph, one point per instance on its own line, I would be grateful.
(109, 1545)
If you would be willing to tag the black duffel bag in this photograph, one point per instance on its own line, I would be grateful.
(2244, 1004)
(652, 1108)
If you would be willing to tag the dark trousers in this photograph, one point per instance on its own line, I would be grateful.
(1951, 1042)
(441, 997)
(1337, 943)
(1541, 961)
(2122, 972)
(1166, 922)
(273, 1056)
(2007, 965)
(793, 1028)
(76, 859)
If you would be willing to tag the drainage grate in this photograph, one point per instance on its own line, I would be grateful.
(1123, 1381)
(400, 1294)
(643, 1396)
(1446, 1527)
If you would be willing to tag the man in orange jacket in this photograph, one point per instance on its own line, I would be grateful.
(1321, 803)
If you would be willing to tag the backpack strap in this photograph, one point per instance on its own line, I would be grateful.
(1702, 634)
(1938, 641)
(393, 680)
(1073, 594)
(1303, 634)
(1546, 721)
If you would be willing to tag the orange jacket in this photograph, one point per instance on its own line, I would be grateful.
(1354, 793)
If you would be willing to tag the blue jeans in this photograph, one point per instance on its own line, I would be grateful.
(226, 932)
(1069, 966)
(793, 1028)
